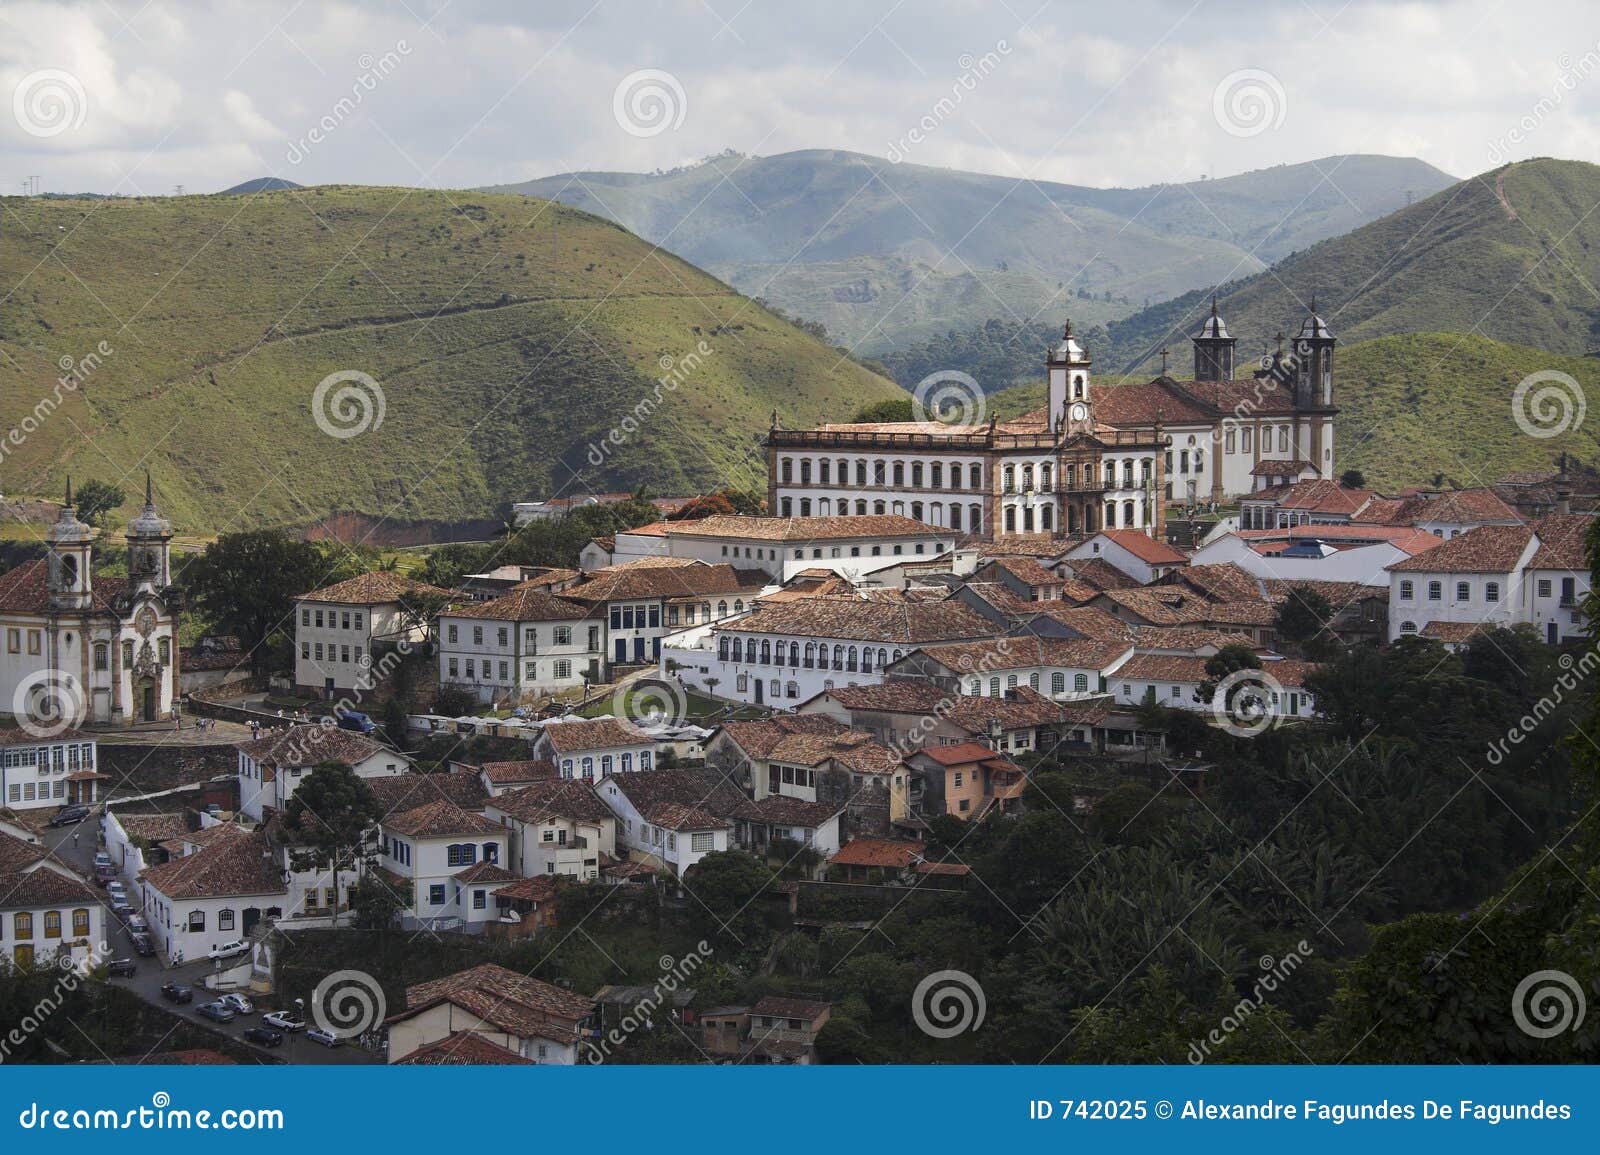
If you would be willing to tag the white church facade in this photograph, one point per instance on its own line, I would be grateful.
(1095, 457)
(76, 649)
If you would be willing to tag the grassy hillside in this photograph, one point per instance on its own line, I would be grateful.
(1513, 254)
(507, 335)
(1421, 404)
(883, 254)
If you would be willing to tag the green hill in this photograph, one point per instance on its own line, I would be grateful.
(1513, 254)
(884, 254)
(507, 336)
(1420, 404)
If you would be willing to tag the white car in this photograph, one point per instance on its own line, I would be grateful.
(116, 890)
(326, 1038)
(284, 1021)
(232, 949)
(239, 1003)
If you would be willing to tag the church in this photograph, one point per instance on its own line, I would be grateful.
(1093, 458)
(79, 649)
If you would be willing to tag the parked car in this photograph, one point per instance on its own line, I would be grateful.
(105, 874)
(120, 908)
(284, 1021)
(122, 968)
(101, 858)
(218, 1010)
(177, 993)
(240, 1004)
(266, 1036)
(357, 721)
(116, 890)
(232, 949)
(143, 945)
(326, 1038)
(137, 924)
(69, 816)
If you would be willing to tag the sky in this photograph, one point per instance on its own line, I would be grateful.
(115, 96)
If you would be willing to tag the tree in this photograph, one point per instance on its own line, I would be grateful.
(707, 505)
(378, 898)
(96, 499)
(893, 409)
(246, 583)
(1353, 479)
(330, 814)
(727, 886)
(1303, 620)
(454, 702)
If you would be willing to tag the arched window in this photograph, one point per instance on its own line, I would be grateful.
(766, 652)
(916, 511)
(975, 687)
(810, 655)
(102, 656)
(1058, 683)
(722, 648)
(916, 474)
(879, 508)
(722, 609)
(644, 759)
(994, 687)
(1127, 513)
(1008, 478)
(491, 852)
(1033, 681)
(898, 654)
(738, 605)
(606, 763)
(625, 762)
(955, 516)
(975, 477)
(850, 660)
(838, 657)
(822, 470)
(1046, 518)
(787, 469)
(1011, 681)
(225, 918)
(866, 660)
(1011, 519)
(566, 767)
(52, 924)
(1080, 683)
(588, 766)
(899, 474)
(861, 507)
(805, 472)
(80, 923)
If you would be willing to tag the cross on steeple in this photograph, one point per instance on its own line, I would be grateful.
(1164, 355)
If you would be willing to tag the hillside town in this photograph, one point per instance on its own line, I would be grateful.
(927, 629)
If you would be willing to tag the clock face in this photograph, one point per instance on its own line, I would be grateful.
(1080, 411)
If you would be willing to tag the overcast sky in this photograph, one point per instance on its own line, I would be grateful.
(110, 96)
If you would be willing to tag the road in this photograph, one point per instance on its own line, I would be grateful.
(152, 973)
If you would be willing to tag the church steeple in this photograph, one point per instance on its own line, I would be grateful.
(69, 543)
(1213, 348)
(1067, 364)
(150, 544)
(1313, 355)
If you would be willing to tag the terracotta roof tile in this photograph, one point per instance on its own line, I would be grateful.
(567, 798)
(804, 529)
(578, 735)
(371, 589)
(1485, 549)
(522, 605)
(439, 819)
(878, 852)
(888, 623)
(230, 867)
(463, 1049)
(518, 1004)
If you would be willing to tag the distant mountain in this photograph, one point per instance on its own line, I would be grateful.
(886, 254)
(1419, 405)
(403, 354)
(261, 184)
(1513, 254)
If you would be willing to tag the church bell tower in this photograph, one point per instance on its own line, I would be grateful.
(1067, 365)
(69, 543)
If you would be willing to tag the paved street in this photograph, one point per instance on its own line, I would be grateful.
(152, 973)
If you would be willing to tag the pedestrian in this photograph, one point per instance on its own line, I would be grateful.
(74, 838)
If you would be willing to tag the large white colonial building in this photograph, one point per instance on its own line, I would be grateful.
(1093, 458)
(77, 648)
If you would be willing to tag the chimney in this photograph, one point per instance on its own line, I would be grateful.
(1563, 500)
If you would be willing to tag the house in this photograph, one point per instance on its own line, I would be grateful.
(782, 546)
(1139, 556)
(85, 648)
(525, 907)
(640, 603)
(531, 1019)
(1444, 514)
(1497, 575)
(1345, 553)
(966, 779)
(877, 860)
(500, 777)
(558, 826)
(271, 767)
(784, 1030)
(450, 859)
(463, 1049)
(1028, 579)
(1175, 682)
(591, 748)
(671, 819)
(786, 653)
(48, 912)
(338, 627)
(228, 884)
(48, 771)
(504, 579)
(1311, 502)
(1062, 667)
(524, 645)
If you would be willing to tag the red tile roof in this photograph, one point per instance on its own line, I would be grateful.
(804, 529)
(520, 1005)
(440, 819)
(578, 735)
(231, 867)
(887, 623)
(26, 589)
(572, 799)
(522, 605)
(878, 852)
(463, 1049)
(1485, 549)
(371, 589)
(1144, 547)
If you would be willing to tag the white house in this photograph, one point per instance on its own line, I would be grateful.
(1496, 575)
(590, 748)
(271, 768)
(557, 827)
(337, 626)
(783, 546)
(489, 1005)
(782, 654)
(452, 859)
(527, 644)
(641, 603)
(1360, 554)
(1063, 668)
(47, 911)
(38, 772)
(1174, 681)
(230, 883)
(671, 819)
(1141, 557)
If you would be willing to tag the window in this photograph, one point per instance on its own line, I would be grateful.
(436, 894)
(80, 923)
(1080, 683)
(1407, 591)
(1408, 627)
(102, 656)
(1491, 591)
(702, 843)
(1435, 591)
(52, 924)
(1463, 591)
(224, 919)
(22, 926)
(197, 920)
(452, 633)
(1544, 587)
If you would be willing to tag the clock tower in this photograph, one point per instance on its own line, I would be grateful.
(1068, 367)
